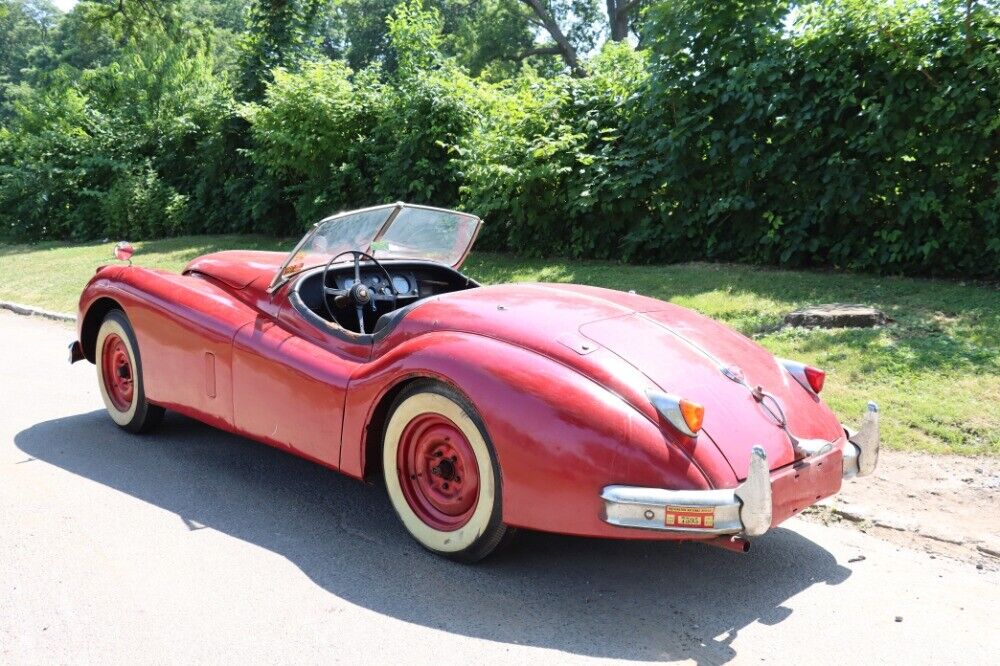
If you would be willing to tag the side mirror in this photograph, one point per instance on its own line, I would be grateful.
(124, 251)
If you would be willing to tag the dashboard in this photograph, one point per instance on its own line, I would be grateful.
(405, 283)
(413, 280)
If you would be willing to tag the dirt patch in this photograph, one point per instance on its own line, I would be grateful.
(945, 505)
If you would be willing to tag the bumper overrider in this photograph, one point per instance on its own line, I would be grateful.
(744, 511)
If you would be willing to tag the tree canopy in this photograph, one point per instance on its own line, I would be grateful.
(850, 133)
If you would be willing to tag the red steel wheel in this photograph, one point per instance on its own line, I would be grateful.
(438, 472)
(119, 375)
(117, 368)
(441, 472)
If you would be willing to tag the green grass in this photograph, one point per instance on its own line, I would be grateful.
(935, 371)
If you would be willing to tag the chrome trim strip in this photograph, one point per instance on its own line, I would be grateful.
(745, 509)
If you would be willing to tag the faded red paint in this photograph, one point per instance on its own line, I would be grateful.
(557, 372)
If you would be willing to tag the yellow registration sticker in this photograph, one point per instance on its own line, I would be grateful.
(687, 516)
(295, 265)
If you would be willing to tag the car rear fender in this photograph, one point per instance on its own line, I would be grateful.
(559, 436)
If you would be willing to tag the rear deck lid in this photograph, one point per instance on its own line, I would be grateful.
(685, 353)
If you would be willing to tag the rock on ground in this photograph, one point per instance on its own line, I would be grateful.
(837, 315)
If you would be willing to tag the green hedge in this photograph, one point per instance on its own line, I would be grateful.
(864, 135)
(846, 133)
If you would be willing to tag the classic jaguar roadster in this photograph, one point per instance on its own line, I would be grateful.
(552, 407)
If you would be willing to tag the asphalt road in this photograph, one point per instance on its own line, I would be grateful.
(194, 546)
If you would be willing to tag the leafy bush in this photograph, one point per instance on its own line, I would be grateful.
(309, 135)
(865, 135)
(546, 166)
(43, 180)
(140, 205)
(845, 133)
(334, 139)
(89, 155)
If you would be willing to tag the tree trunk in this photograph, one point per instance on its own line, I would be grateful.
(618, 22)
(619, 12)
(566, 49)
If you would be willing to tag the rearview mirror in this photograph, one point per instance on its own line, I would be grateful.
(124, 251)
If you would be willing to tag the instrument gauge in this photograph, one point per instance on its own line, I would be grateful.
(400, 284)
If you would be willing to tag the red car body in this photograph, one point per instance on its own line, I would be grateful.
(559, 373)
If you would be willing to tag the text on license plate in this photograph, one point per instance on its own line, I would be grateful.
(686, 516)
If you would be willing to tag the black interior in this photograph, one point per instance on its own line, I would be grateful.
(423, 279)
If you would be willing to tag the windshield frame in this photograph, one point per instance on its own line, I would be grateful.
(280, 277)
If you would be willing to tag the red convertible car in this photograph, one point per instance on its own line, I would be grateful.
(552, 407)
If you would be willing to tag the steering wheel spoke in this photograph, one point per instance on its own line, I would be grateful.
(359, 294)
(361, 318)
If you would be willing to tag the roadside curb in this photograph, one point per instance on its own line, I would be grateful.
(29, 311)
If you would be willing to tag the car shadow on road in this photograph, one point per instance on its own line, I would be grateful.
(613, 599)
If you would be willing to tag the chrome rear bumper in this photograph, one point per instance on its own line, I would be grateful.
(745, 510)
(861, 449)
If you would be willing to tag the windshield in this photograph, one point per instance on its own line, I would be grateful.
(395, 231)
(427, 233)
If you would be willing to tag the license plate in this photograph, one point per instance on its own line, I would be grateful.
(686, 516)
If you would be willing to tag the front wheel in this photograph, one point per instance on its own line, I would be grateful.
(119, 375)
(441, 473)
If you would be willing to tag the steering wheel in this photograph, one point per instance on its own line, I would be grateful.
(359, 294)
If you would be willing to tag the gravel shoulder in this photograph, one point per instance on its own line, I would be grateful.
(940, 504)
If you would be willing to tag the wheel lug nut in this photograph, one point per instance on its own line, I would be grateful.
(454, 458)
(437, 454)
(445, 485)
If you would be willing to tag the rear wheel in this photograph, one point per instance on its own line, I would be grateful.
(441, 473)
(119, 375)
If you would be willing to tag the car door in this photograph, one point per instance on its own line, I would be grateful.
(289, 390)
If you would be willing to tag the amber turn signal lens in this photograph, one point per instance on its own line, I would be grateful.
(684, 415)
(693, 413)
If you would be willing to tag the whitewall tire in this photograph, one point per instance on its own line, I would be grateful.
(441, 472)
(119, 375)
